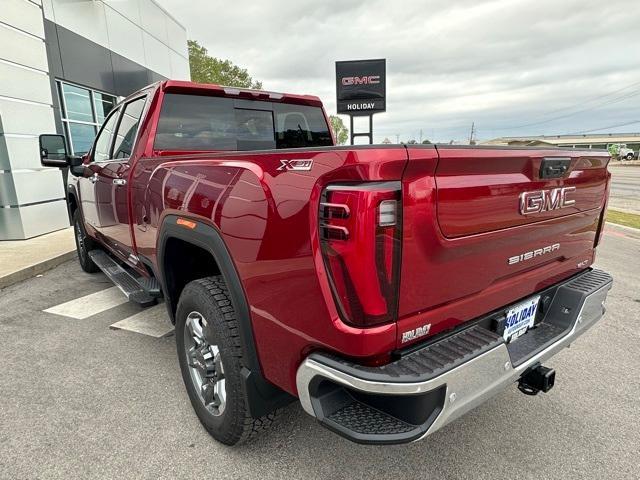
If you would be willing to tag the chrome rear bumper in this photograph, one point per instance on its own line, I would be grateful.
(459, 389)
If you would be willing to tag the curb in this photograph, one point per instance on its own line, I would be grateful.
(624, 227)
(35, 269)
(624, 210)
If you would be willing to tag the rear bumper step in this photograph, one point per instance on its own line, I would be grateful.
(421, 392)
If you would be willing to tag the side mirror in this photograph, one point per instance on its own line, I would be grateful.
(76, 166)
(53, 151)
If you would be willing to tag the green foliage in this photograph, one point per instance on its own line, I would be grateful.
(339, 129)
(208, 69)
(426, 142)
(614, 149)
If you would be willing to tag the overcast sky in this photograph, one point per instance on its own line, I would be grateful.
(514, 67)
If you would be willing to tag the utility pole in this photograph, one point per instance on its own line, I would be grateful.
(420, 135)
(397, 138)
(473, 125)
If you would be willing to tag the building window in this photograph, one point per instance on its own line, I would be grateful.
(83, 112)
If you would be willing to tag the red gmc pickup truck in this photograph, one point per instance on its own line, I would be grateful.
(390, 289)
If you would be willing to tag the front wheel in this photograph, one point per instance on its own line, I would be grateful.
(629, 156)
(210, 357)
(84, 243)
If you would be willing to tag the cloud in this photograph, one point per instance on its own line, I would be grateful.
(500, 64)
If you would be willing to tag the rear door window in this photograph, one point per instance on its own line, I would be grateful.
(200, 123)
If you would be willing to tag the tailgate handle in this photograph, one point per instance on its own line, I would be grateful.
(554, 167)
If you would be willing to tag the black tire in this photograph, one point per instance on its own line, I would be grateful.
(629, 156)
(210, 298)
(84, 244)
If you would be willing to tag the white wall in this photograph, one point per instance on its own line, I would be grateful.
(139, 30)
(31, 197)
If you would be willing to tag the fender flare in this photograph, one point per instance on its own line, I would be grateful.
(264, 397)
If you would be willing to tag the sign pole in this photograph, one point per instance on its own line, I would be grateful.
(351, 127)
(368, 134)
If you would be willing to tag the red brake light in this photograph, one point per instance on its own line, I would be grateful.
(360, 229)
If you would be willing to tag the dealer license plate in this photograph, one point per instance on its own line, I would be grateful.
(520, 318)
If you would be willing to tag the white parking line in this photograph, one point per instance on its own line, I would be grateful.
(151, 321)
(89, 305)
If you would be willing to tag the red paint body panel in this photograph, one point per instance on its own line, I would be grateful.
(268, 219)
(478, 189)
(460, 224)
(448, 281)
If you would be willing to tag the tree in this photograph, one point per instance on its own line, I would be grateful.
(208, 69)
(339, 129)
(426, 142)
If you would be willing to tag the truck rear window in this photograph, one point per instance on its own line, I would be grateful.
(195, 122)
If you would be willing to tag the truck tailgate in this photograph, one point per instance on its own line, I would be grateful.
(470, 246)
(479, 190)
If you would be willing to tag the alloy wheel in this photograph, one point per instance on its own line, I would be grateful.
(205, 365)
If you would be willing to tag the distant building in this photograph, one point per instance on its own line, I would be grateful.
(386, 141)
(600, 140)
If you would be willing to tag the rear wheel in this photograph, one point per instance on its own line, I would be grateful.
(84, 244)
(210, 357)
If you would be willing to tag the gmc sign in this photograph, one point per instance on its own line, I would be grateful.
(366, 80)
(360, 86)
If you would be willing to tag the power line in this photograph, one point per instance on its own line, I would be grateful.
(604, 128)
(624, 96)
(610, 102)
(589, 100)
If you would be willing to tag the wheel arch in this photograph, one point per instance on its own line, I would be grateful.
(263, 396)
(72, 200)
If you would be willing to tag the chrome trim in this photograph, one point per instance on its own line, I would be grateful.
(337, 206)
(469, 384)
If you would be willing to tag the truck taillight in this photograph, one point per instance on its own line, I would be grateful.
(360, 236)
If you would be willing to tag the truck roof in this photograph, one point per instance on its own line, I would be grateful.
(182, 86)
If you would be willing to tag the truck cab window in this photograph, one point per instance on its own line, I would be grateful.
(198, 122)
(104, 140)
(128, 128)
(299, 126)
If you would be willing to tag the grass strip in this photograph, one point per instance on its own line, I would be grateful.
(623, 218)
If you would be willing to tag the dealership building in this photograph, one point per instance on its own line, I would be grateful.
(63, 66)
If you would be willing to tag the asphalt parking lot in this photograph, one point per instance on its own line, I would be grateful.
(81, 400)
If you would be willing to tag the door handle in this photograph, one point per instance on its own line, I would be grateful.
(93, 178)
(119, 181)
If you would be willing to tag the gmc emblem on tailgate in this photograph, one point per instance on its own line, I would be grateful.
(545, 200)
